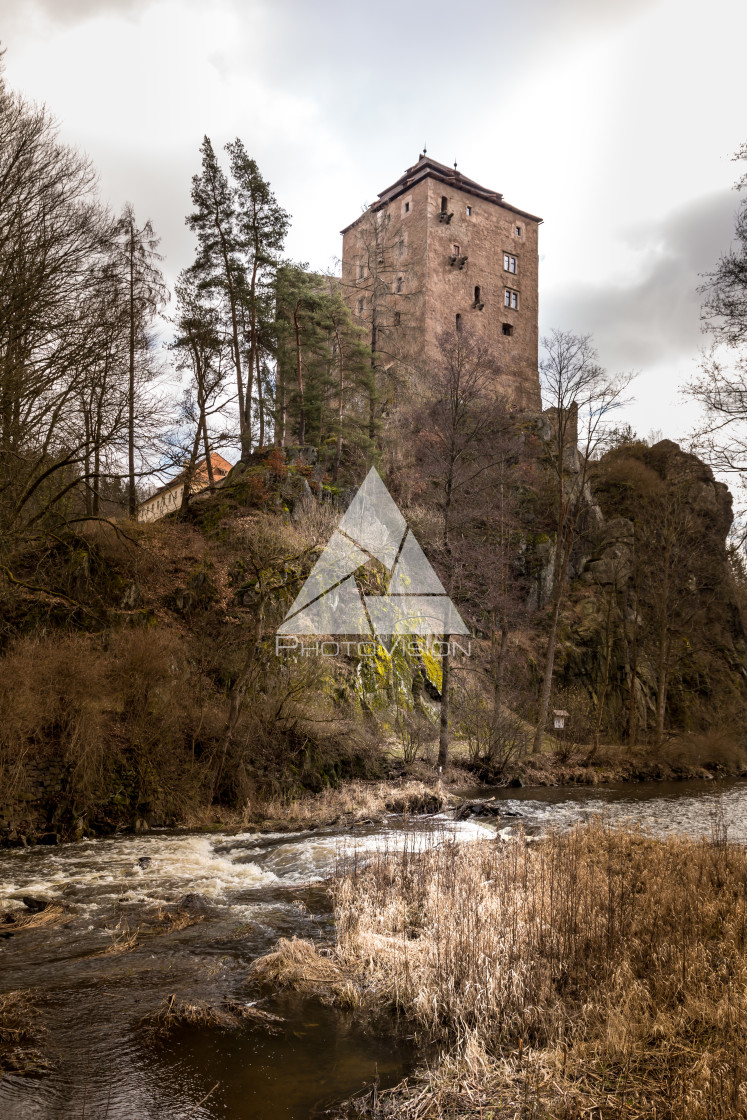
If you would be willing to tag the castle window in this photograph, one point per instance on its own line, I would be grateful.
(509, 263)
(360, 306)
(469, 211)
(457, 250)
(458, 322)
(397, 318)
(477, 293)
(444, 204)
(399, 284)
(511, 299)
(361, 271)
(401, 248)
(518, 231)
(508, 328)
(407, 208)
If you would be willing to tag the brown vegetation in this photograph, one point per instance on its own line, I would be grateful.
(594, 973)
(175, 1012)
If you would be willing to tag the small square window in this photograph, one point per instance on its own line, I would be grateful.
(511, 299)
(469, 211)
(509, 263)
(508, 328)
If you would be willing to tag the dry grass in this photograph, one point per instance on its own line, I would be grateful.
(156, 923)
(295, 964)
(598, 974)
(299, 966)
(52, 915)
(175, 1012)
(354, 801)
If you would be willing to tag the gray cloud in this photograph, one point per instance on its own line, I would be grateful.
(72, 11)
(655, 319)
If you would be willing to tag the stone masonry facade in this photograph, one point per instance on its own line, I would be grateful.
(439, 252)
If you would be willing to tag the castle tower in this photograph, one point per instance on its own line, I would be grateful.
(438, 251)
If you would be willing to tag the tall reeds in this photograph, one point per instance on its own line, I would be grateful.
(598, 973)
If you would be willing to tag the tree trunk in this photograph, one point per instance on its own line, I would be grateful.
(340, 389)
(245, 446)
(299, 377)
(189, 472)
(132, 503)
(662, 676)
(443, 737)
(499, 661)
(260, 401)
(544, 704)
(632, 714)
(239, 687)
(606, 678)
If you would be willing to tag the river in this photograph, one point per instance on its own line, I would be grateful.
(253, 889)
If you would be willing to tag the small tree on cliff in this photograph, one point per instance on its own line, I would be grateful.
(721, 386)
(579, 396)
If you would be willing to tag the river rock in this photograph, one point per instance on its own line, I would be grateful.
(145, 861)
(477, 809)
(193, 902)
(34, 903)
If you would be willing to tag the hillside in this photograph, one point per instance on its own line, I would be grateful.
(144, 687)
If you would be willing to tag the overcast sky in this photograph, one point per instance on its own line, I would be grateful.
(614, 120)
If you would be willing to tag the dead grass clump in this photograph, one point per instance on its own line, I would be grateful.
(123, 939)
(354, 801)
(609, 966)
(52, 915)
(175, 1012)
(20, 1034)
(295, 964)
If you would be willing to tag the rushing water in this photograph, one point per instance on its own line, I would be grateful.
(256, 887)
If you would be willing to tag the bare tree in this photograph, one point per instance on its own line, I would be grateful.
(54, 244)
(721, 386)
(146, 295)
(456, 449)
(201, 349)
(580, 396)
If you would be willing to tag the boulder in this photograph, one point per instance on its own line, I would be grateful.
(193, 903)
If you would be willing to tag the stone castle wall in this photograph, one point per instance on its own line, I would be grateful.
(411, 252)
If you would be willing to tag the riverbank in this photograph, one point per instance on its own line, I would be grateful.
(596, 973)
(411, 789)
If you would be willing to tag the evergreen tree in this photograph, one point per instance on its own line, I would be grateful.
(261, 226)
(219, 268)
